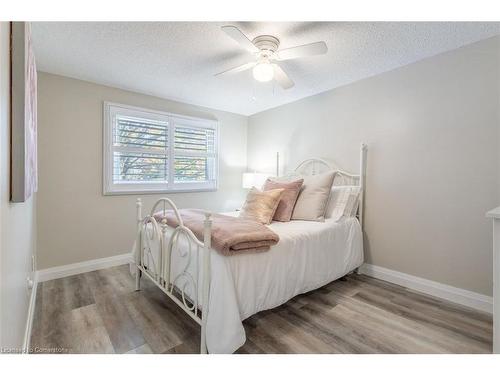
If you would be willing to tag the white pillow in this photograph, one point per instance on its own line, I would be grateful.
(313, 197)
(344, 201)
(353, 203)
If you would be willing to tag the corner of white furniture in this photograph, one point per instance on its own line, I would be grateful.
(495, 215)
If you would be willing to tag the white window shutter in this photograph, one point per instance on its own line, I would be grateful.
(150, 151)
(140, 150)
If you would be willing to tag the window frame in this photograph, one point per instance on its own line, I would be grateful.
(111, 110)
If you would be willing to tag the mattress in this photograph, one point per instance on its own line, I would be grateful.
(308, 256)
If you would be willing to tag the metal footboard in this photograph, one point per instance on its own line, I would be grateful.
(184, 287)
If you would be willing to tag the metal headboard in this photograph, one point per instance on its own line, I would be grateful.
(315, 166)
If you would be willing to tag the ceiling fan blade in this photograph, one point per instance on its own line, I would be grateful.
(235, 33)
(318, 48)
(282, 78)
(238, 69)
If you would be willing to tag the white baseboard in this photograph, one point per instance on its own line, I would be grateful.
(30, 317)
(433, 288)
(87, 266)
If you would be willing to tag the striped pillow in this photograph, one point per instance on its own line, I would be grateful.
(344, 201)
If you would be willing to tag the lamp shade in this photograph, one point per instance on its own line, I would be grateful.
(253, 180)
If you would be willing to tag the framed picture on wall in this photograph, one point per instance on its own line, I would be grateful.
(24, 171)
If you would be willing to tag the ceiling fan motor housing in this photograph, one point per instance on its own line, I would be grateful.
(267, 44)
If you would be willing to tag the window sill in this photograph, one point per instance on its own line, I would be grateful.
(147, 192)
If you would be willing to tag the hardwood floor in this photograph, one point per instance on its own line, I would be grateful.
(98, 312)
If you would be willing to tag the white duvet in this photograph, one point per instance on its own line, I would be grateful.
(308, 256)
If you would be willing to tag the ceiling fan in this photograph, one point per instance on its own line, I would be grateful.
(267, 56)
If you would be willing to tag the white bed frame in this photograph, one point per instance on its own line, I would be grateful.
(167, 239)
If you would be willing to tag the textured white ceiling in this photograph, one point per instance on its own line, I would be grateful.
(177, 60)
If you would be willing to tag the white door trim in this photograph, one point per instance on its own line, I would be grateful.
(30, 317)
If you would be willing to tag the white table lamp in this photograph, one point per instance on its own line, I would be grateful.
(253, 179)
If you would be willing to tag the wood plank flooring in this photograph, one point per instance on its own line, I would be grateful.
(98, 312)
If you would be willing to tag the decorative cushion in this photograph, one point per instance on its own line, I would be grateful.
(353, 203)
(344, 201)
(312, 200)
(261, 205)
(288, 197)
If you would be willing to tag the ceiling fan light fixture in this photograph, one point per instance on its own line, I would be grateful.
(263, 72)
(268, 55)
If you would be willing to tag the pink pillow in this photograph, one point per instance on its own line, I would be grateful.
(287, 199)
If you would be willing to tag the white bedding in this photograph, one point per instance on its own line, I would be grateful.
(308, 256)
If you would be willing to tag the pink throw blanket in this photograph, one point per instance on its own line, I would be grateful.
(230, 235)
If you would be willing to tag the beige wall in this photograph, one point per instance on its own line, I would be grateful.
(17, 224)
(76, 222)
(433, 160)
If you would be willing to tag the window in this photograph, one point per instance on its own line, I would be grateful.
(149, 151)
